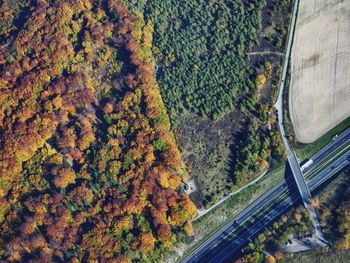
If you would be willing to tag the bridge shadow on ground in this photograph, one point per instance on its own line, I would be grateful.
(292, 187)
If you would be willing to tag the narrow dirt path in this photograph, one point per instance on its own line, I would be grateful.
(265, 53)
(203, 212)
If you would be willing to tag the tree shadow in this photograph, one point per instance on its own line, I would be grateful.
(240, 141)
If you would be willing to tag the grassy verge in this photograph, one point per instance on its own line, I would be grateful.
(209, 224)
(304, 151)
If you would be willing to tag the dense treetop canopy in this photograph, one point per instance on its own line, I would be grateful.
(200, 49)
(89, 169)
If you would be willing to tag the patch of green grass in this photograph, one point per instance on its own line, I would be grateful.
(304, 151)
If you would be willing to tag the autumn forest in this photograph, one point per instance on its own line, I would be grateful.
(89, 168)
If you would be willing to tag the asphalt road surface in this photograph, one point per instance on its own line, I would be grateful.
(337, 143)
(230, 239)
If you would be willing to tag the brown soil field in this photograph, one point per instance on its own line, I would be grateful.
(319, 94)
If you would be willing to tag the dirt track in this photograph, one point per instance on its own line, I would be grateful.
(319, 96)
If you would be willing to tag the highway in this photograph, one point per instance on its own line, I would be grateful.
(342, 139)
(236, 233)
(273, 213)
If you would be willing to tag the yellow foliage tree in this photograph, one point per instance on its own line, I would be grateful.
(64, 177)
(188, 228)
(260, 81)
(147, 242)
(4, 206)
(297, 217)
(270, 259)
(279, 255)
(315, 202)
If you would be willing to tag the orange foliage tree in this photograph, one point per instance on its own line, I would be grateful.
(81, 177)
